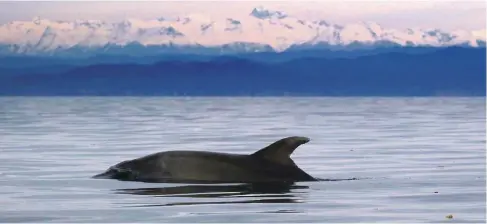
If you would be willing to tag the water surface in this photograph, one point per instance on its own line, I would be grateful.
(414, 159)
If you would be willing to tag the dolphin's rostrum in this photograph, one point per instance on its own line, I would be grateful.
(270, 164)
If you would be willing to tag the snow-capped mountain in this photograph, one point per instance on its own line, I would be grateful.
(260, 30)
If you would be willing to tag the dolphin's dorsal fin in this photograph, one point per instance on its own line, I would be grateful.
(281, 150)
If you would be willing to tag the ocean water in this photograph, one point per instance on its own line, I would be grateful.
(413, 159)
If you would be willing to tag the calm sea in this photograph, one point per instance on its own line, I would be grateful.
(414, 159)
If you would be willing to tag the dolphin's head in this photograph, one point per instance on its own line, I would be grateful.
(120, 171)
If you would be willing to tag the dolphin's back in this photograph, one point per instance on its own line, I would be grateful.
(211, 167)
(269, 164)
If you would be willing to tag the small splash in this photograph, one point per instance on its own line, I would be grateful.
(354, 178)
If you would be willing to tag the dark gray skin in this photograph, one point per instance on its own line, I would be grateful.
(270, 164)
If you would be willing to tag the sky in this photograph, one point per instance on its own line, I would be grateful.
(446, 15)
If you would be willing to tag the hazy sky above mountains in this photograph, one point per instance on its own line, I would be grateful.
(447, 15)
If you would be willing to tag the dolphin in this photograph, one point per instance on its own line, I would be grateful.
(269, 164)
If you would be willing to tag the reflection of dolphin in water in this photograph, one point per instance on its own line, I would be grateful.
(250, 193)
(214, 191)
(270, 164)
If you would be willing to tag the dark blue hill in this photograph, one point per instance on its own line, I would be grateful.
(451, 71)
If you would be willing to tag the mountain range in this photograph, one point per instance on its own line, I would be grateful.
(453, 71)
(263, 53)
(261, 30)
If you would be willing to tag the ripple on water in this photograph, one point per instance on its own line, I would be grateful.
(396, 159)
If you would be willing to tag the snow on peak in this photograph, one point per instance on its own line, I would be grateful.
(263, 13)
(39, 21)
(262, 27)
(36, 20)
(481, 34)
